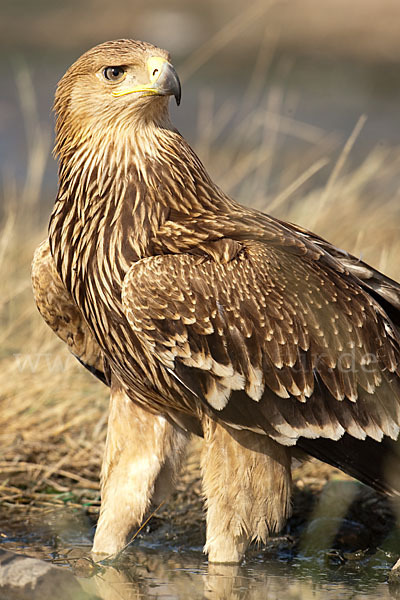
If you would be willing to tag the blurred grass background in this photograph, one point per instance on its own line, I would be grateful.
(274, 94)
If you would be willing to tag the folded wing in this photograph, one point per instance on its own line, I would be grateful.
(275, 340)
(61, 314)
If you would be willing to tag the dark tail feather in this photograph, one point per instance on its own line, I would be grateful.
(376, 464)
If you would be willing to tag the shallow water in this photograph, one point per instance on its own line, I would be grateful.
(161, 565)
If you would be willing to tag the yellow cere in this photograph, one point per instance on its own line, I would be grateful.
(154, 67)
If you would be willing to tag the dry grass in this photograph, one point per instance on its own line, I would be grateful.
(53, 413)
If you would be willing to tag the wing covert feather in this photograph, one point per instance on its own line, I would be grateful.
(270, 341)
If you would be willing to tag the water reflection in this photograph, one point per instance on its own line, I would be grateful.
(151, 574)
(156, 568)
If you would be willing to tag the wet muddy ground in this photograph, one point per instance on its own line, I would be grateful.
(340, 543)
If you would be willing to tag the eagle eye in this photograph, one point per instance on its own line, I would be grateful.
(113, 73)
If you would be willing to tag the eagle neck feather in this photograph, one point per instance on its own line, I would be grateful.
(117, 192)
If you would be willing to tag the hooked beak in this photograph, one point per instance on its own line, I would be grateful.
(165, 78)
(164, 81)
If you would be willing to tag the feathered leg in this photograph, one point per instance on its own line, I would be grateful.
(247, 486)
(142, 456)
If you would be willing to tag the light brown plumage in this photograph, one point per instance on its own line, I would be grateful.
(62, 315)
(222, 319)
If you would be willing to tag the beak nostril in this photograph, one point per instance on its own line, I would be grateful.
(155, 72)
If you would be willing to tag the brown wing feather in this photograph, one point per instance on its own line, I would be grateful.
(57, 308)
(370, 279)
(279, 340)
